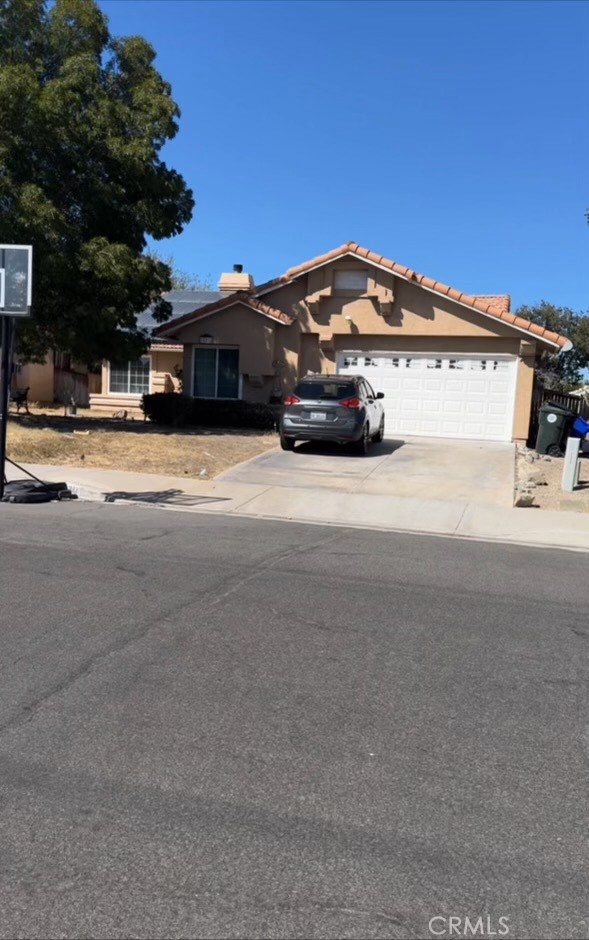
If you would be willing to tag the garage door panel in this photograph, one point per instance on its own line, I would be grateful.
(444, 396)
(495, 408)
(453, 386)
(451, 428)
(429, 427)
(475, 428)
(406, 425)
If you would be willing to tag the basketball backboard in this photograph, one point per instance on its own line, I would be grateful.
(16, 280)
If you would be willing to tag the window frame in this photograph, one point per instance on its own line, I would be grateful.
(216, 350)
(129, 363)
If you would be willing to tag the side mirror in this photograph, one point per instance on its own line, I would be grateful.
(380, 394)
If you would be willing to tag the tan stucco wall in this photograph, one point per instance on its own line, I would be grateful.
(39, 378)
(164, 363)
(523, 398)
(415, 312)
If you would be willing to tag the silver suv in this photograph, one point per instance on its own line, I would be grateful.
(339, 408)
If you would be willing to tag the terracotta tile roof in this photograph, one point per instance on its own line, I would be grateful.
(493, 305)
(239, 297)
(164, 345)
(501, 301)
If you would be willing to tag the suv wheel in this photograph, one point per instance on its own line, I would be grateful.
(362, 444)
(379, 436)
(286, 443)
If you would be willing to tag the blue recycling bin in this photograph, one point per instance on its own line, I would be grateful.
(580, 427)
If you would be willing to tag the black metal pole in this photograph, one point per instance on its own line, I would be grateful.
(4, 385)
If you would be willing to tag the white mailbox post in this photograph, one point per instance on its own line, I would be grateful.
(572, 465)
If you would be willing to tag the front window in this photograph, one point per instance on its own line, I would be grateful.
(130, 378)
(216, 373)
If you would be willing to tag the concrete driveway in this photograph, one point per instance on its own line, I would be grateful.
(427, 468)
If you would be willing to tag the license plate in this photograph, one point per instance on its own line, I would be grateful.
(318, 416)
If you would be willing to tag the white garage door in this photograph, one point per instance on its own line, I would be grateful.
(440, 396)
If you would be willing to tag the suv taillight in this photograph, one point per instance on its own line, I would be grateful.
(291, 400)
(351, 403)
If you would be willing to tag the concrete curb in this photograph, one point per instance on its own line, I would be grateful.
(450, 518)
(468, 521)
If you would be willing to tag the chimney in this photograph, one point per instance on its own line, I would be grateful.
(235, 280)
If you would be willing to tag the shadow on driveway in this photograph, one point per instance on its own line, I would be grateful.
(326, 448)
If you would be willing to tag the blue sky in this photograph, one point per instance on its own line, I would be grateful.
(450, 136)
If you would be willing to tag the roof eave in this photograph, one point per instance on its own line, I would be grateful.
(566, 347)
(218, 306)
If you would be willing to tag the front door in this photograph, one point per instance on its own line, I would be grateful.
(215, 372)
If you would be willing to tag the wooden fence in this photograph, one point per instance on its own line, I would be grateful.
(71, 385)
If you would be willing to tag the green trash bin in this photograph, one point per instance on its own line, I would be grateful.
(554, 424)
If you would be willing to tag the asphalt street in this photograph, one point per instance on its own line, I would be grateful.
(221, 727)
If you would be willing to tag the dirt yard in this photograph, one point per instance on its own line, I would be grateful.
(94, 441)
(546, 474)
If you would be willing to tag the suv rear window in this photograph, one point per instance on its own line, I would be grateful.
(328, 391)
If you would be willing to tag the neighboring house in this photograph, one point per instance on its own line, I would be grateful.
(123, 384)
(581, 392)
(450, 364)
(58, 379)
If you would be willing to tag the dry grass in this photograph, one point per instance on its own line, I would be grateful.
(547, 472)
(88, 440)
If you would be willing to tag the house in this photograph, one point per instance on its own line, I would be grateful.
(123, 384)
(451, 364)
(581, 392)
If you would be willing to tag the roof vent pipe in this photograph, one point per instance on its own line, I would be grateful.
(238, 268)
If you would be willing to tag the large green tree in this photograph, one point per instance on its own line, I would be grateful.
(83, 119)
(563, 371)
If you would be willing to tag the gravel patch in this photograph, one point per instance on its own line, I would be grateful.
(538, 482)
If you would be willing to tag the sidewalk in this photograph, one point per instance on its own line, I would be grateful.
(398, 514)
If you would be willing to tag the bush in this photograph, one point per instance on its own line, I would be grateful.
(178, 411)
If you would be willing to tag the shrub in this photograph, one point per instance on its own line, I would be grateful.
(178, 411)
